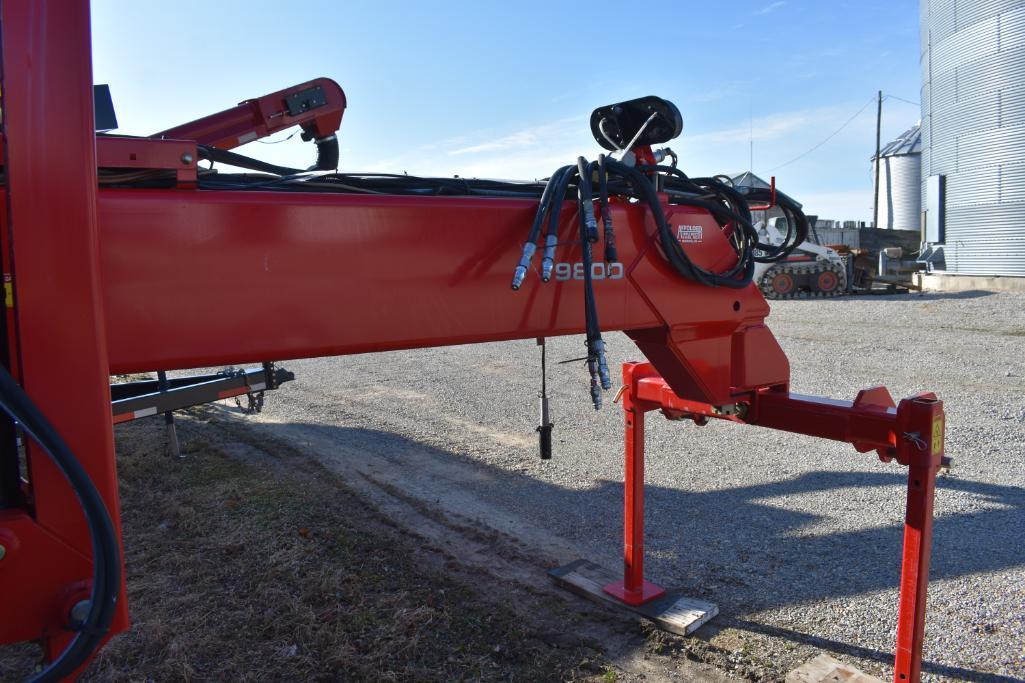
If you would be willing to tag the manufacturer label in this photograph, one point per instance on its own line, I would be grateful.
(688, 233)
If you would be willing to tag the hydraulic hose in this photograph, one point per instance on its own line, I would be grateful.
(727, 206)
(606, 213)
(327, 154)
(557, 183)
(552, 233)
(585, 197)
(596, 363)
(530, 246)
(671, 249)
(225, 157)
(106, 554)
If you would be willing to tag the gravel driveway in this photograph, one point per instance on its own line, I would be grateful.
(796, 539)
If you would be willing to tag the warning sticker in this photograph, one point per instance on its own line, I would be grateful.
(937, 435)
(689, 233)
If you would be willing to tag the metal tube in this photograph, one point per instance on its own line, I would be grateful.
(633, 503)
(879, 121)
(172, 433)
(928, 426)
(633, 589)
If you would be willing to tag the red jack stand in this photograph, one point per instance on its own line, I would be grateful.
(633, 589)
(912, 433)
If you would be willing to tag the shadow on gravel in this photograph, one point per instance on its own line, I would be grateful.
(737, 547)
(885, 658)
(901, 296)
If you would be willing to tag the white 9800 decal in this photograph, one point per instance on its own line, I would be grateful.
(599, 271)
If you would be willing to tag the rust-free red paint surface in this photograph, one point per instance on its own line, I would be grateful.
(194, 278)
(50, 228)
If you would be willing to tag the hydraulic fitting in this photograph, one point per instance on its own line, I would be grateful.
(593, 367)
(595, 385)
(548, 260)
(611, 256)
(590, 224)
(521, 270)
(603, 366)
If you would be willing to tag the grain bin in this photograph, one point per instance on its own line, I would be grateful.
(900, 182)
(973, 133)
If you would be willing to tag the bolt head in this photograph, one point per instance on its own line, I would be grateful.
(3, 551)
(186, 158)
(80, 611)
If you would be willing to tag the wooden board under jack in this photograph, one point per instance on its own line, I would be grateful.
(672, 612)
(825, 669)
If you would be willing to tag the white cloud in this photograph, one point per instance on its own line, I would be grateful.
(531, 137)
(523, 138)
(771, 7)
(764, 128)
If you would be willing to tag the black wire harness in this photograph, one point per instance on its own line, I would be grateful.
(106, 586)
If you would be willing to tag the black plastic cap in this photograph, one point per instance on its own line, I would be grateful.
(623, 120)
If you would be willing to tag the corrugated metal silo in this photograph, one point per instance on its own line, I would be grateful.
(973, 132)
(900, 182)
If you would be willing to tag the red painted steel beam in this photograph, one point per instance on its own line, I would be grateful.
(192, 278)
(51, 236)
(848, 421)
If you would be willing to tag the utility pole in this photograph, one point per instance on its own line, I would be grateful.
(879, 123)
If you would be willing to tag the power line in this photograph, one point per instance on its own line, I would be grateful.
(830, 137)
(894, 97)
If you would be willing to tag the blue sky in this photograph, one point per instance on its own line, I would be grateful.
(504, 89)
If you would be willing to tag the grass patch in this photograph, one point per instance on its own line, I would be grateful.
(242, 571)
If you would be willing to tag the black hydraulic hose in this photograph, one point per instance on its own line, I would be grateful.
(552, 233)
(606, 213)
(730, 206)
(596, 363)
(327, 154)
(530, 246)
(559, 199)
(585, 196)
(558, 183)
(106, 554)
(671, 248)
(739, 211)
(225, 157)
(740, 199)
(544, 204)
(797, 223)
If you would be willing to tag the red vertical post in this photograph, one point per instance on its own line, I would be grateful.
(51, 234)
(633, 589)
(926, 430)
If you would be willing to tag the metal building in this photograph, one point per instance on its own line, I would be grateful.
(973, 134)
(900, 182)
